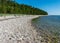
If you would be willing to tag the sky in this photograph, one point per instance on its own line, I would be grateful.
(51, 6)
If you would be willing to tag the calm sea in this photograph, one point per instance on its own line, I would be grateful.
(49, 23)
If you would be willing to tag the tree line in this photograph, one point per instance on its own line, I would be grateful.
(12, 7)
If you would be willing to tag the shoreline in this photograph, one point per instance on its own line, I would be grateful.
(23, 22)
(41, 33)
(48, 37)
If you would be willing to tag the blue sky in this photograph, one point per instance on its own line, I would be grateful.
(51, 6)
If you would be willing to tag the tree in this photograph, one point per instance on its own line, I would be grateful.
(12, 7)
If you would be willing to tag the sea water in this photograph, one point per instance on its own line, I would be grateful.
(49, 23)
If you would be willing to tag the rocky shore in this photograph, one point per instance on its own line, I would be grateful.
(19, 30)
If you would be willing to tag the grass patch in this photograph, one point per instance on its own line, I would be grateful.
(6, 14)
(10, 15)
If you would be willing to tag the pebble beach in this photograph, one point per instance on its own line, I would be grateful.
(18, 30)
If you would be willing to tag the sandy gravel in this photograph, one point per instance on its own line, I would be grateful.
(18, 30)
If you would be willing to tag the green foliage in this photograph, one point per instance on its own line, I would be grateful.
(11, 7)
